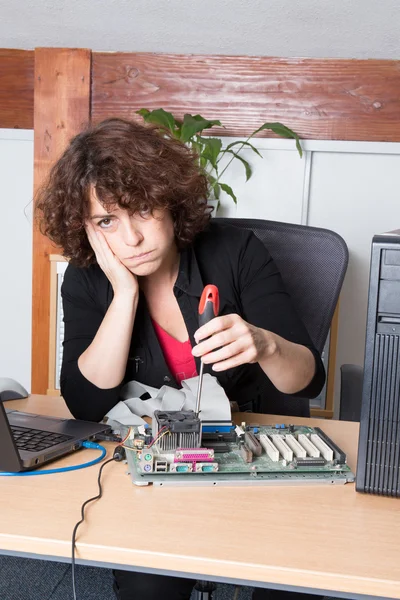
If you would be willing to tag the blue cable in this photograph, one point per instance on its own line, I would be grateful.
(64, 469)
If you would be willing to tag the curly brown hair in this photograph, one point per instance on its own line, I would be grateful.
(136, 167)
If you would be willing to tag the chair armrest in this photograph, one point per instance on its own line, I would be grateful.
(351, 382)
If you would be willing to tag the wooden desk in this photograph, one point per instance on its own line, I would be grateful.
(325, 538)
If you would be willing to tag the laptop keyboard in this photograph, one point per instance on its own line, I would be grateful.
(35, 440)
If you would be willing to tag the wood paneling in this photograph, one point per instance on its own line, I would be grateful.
(16, 88)
(53, 358)
(318, 98)
(62, 108)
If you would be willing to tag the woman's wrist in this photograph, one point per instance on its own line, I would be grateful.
(270, 347)
(289, 366)
(126, 297)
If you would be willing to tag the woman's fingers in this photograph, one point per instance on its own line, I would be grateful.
(95, 242)
(121, 279)
(215, 341)
(234, 361)
(104, 255)
(91, 236)
(226, 352)
(99, 244)
(215, 325)
(232, 342)
(224, 330)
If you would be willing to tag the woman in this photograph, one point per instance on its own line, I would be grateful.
(128, 206)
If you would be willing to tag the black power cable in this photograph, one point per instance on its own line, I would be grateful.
(119, 454)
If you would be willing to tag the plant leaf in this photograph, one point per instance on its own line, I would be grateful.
(217, 190)
(159, 117)
(200, 118)
(214, 185)
(229, 191)
(212, 148)
(143, 112)
(244, 144)
(244, 162)
(193, 124)
(283, 131)
(196, 147)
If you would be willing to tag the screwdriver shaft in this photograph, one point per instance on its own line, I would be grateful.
(200, 385)
(208, 309)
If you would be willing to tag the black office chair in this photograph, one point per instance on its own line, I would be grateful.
(313, 263)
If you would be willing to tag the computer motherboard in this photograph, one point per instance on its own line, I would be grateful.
(225, 454)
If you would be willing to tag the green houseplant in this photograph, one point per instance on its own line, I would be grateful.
(210, 149)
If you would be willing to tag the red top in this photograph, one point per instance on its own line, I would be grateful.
(178, 355)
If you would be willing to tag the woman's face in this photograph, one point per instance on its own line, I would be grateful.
(144, 243)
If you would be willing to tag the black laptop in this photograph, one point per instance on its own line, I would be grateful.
(28, 441)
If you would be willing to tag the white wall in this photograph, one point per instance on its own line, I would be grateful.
(16, 181)
(315, 28)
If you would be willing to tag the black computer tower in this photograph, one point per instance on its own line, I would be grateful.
(378, 468)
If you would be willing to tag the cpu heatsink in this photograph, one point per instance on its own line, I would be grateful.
(176, 429)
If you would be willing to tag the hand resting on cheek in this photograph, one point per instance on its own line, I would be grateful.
(122, 280)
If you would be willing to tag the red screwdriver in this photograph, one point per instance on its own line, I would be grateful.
(208, 309)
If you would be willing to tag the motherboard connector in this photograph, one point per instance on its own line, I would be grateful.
(193, 454)
(308, 446)
(282, 446)
(246, 453)
(269, 448)
(326, 452)
(211, 467)
(338, 455)
(181, 468)
(298, 450)
(253, 443)
(160, 466)
(310, 462)
(239, 431)
(146, 461)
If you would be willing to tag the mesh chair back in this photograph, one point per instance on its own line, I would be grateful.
(312, 262)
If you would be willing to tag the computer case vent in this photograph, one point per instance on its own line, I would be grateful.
(378, 469)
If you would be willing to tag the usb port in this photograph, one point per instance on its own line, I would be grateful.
(160, 466)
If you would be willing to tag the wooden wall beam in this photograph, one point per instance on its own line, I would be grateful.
(16, 88)
(334, 99)
(62, 109)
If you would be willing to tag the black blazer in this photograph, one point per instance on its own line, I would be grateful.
(249, 284)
